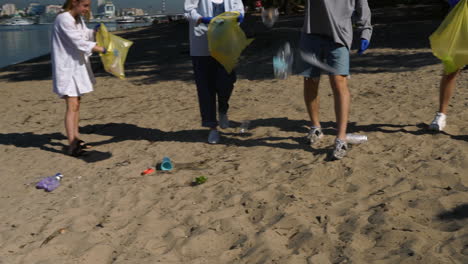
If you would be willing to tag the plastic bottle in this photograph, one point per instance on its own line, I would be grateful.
(356, 139)
(50, 183)
(283, 62)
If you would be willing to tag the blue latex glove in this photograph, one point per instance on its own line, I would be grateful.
(364, 46)
(96, 28)
(105, 51)
(206, 20)
(453, 3)
(240, 18)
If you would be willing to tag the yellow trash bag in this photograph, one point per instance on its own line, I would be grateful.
(450, 41)
(226, 40)
(117, 49)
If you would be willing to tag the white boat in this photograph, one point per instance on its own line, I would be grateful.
(18, 21)
(126, 19)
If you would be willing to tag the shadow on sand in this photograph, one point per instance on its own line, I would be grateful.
(119, 132)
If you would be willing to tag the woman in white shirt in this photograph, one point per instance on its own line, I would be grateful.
(72, 44)
(211, 78)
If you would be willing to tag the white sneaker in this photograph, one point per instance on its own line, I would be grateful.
(223, 121)
(439, 122)
(315, 134)
(341, 148)
(213, 137)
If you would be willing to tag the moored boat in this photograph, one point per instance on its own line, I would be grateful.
(125, 19)
(18, 21)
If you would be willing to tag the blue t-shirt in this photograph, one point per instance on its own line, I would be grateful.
(218, 9)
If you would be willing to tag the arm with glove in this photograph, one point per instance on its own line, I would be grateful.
(363, 23)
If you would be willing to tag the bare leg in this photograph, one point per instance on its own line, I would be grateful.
(341, 95)
(447, 85)
(73, 105)
(77, 120)
(312, 99)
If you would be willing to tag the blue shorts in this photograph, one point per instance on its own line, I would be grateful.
(327, 51)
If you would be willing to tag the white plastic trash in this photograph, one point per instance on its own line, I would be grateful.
(356, 139)
(283, 62)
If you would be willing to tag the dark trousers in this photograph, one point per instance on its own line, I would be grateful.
(212, 80)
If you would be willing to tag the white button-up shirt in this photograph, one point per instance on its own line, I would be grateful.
(72, 44)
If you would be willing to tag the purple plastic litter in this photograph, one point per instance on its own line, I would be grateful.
(50, 183)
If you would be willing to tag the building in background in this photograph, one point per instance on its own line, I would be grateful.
(51, 12)
(106, 8)
(35, 9)
(100, 3)
(8, 10)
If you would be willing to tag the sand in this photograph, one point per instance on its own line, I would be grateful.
(269, 198)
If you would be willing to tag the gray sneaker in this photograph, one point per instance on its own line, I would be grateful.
(341, 147)
(315, 134)
(223, 121)
(214, 137)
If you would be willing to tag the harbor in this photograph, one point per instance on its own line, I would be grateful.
(25, 32)
(19, 42)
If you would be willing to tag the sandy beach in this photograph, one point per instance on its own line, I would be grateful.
(402, 197)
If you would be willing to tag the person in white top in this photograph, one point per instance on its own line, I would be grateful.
(211, 79)
(72, 44)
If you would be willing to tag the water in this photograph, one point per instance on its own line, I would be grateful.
(21, 43)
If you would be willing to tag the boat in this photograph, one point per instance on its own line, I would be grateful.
(102, 20)
(161, 19)
(18, 21)
(125, 19)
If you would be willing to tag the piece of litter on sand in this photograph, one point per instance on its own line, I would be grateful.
(147, 171)
(166, 164)
(199, 180)
(123, 163)
(53, 235)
